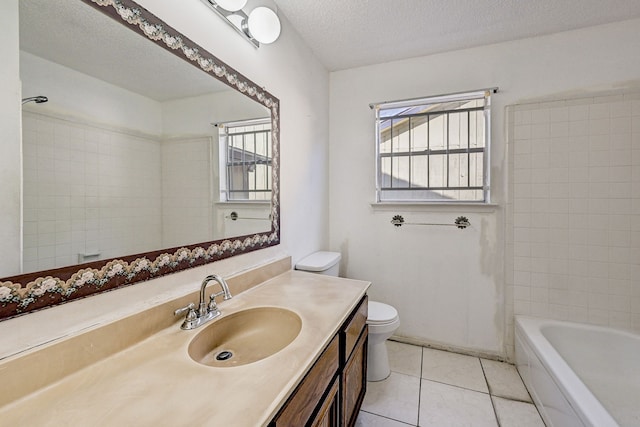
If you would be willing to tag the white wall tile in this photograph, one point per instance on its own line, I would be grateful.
(576, 220)
(578, 112)
(66, 201)
(599, 111)
(522, 132)
(522, 117)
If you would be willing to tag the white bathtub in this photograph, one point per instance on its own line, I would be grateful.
(579, 375)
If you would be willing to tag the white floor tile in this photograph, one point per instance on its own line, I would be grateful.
(504, 380)
(366, 419)
(452, 368)
(516, 414)
(442, 405)
(405, 358)
(396, 398)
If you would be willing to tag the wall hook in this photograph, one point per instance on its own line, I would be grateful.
(397, 220)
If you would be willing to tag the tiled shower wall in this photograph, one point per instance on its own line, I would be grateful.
(186, 191)
(573, 227)
(190, 209)
(87, 189)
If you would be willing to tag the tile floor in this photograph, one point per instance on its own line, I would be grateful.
(430, 387)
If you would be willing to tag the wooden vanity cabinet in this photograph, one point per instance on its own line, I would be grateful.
(329, 413)
(331, 393)
(353, 364)
(311, 394)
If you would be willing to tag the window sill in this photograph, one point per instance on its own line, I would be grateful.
(435, 206)
(256, 203)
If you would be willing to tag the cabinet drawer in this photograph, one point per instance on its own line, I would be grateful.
(354, 327)
(304, 400)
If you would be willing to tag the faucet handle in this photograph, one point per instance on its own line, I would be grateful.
(190, 310)
(191, 320)
(212, 307)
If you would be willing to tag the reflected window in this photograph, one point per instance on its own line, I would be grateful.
(246, 161)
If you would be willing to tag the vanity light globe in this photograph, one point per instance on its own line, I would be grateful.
(264, 25)
(237, 20)
(231, 5)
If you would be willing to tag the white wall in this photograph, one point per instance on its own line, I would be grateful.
(10, 151)
(85, 97)
(448, 285)
(194, 116)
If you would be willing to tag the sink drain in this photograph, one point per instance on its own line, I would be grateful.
(224, 355)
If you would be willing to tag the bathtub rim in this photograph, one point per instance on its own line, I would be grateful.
(588, 408)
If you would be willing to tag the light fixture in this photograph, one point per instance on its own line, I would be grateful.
(264, 25)
(261, 25)
(232, 5)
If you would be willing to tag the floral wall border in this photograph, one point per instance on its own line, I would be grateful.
(26, 293)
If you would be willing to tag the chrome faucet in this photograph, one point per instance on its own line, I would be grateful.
(205, 311)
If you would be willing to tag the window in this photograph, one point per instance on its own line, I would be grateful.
(245, 148)
(434, 149)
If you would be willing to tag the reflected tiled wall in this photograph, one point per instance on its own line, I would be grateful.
(574, 210)
(186, 191)
(87, 189)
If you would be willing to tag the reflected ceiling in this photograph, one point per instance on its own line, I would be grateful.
(67, 19)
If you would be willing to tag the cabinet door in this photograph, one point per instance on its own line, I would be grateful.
(354, 381)
(329, 413)
(302, 404)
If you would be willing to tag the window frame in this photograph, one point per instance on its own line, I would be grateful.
(223, 159)
(458, 96)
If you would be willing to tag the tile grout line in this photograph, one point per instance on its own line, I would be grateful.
(387, 418)
(420, 384)
(458, 386)
(493, 405)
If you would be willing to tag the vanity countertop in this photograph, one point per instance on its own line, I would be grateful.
(155, 382)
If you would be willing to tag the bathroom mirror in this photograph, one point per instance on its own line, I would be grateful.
(125, 176)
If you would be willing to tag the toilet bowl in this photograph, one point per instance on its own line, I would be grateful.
(382, 319)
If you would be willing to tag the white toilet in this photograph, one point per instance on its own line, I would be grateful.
(383, 319)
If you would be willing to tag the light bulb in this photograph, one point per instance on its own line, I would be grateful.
(231, 5)
(236, 20)
(264, 25)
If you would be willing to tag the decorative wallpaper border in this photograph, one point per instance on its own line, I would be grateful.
(29, 292)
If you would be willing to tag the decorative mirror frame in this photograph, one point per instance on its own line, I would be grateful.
(25, 293)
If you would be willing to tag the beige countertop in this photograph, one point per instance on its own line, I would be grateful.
(155, 382)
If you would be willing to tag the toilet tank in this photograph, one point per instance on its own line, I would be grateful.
(321, 262)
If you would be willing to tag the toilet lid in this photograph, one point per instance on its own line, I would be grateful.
(381, 313)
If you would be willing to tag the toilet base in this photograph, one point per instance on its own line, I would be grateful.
(377, 361)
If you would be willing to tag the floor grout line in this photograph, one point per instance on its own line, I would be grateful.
(456, 386)
(493, 405)
(387, 418)
(530, 397)
(420, 384)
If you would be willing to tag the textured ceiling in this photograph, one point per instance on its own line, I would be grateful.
(352, 33)
(75, 35)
